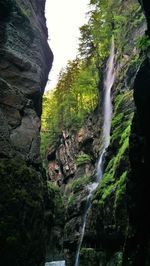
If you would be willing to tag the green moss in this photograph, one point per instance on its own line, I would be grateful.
(52, 188)
(115, 260)
(122, 117)
(110, 196)
(111, 178)
(71, 199)
(22, 207)
(125, 134)
(88, 256)
(108, 191)
(83, 159)
(78, 184)
(122, 154)
(56, 201)
(121, 189)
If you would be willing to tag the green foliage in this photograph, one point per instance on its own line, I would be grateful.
(127, 19)
(72, 199)
(76, 94)
(96, 34)
(143, 42)
(83, 159)
(69, 104)
(89, 256)
(107, 18)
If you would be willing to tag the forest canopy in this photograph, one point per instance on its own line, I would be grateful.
(68, 104)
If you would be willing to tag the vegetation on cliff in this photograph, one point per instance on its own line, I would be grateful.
(76, 94)
(79, 93)
(74, 97)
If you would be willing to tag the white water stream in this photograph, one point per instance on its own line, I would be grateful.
(107, 109)
(107, 114)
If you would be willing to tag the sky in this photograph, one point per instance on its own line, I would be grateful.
(64, 17)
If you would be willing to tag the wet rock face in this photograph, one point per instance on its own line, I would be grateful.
(63, 166)
(138, 199)
(71, 167)
(25, 61)
(146, 7)
(139, 182)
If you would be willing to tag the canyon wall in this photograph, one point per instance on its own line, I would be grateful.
(25, 61)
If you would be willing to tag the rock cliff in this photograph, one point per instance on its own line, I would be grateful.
(137, 244)
(25, 61)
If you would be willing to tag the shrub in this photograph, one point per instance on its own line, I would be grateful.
(83, 159)
(143, 43)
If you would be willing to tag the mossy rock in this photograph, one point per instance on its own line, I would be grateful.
(78, 184)
(56, 222)
(22, 225)
(88, 257)
(56, 202)
(109, 200)
(116, 259)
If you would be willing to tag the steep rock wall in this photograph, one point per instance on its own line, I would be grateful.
(107, 222)
(25, 61)
(24, 65)
(137, 244)
(118, 222)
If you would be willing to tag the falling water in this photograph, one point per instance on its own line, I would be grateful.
(55, 263)
(88, 204)
(107, 109)
(107, 113)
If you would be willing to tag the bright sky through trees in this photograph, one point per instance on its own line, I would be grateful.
(64, 17)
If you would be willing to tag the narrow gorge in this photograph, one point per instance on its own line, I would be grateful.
(76, 194)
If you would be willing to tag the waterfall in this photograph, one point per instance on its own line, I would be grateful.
(107, 113)
(107, 109)
(88, 204)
